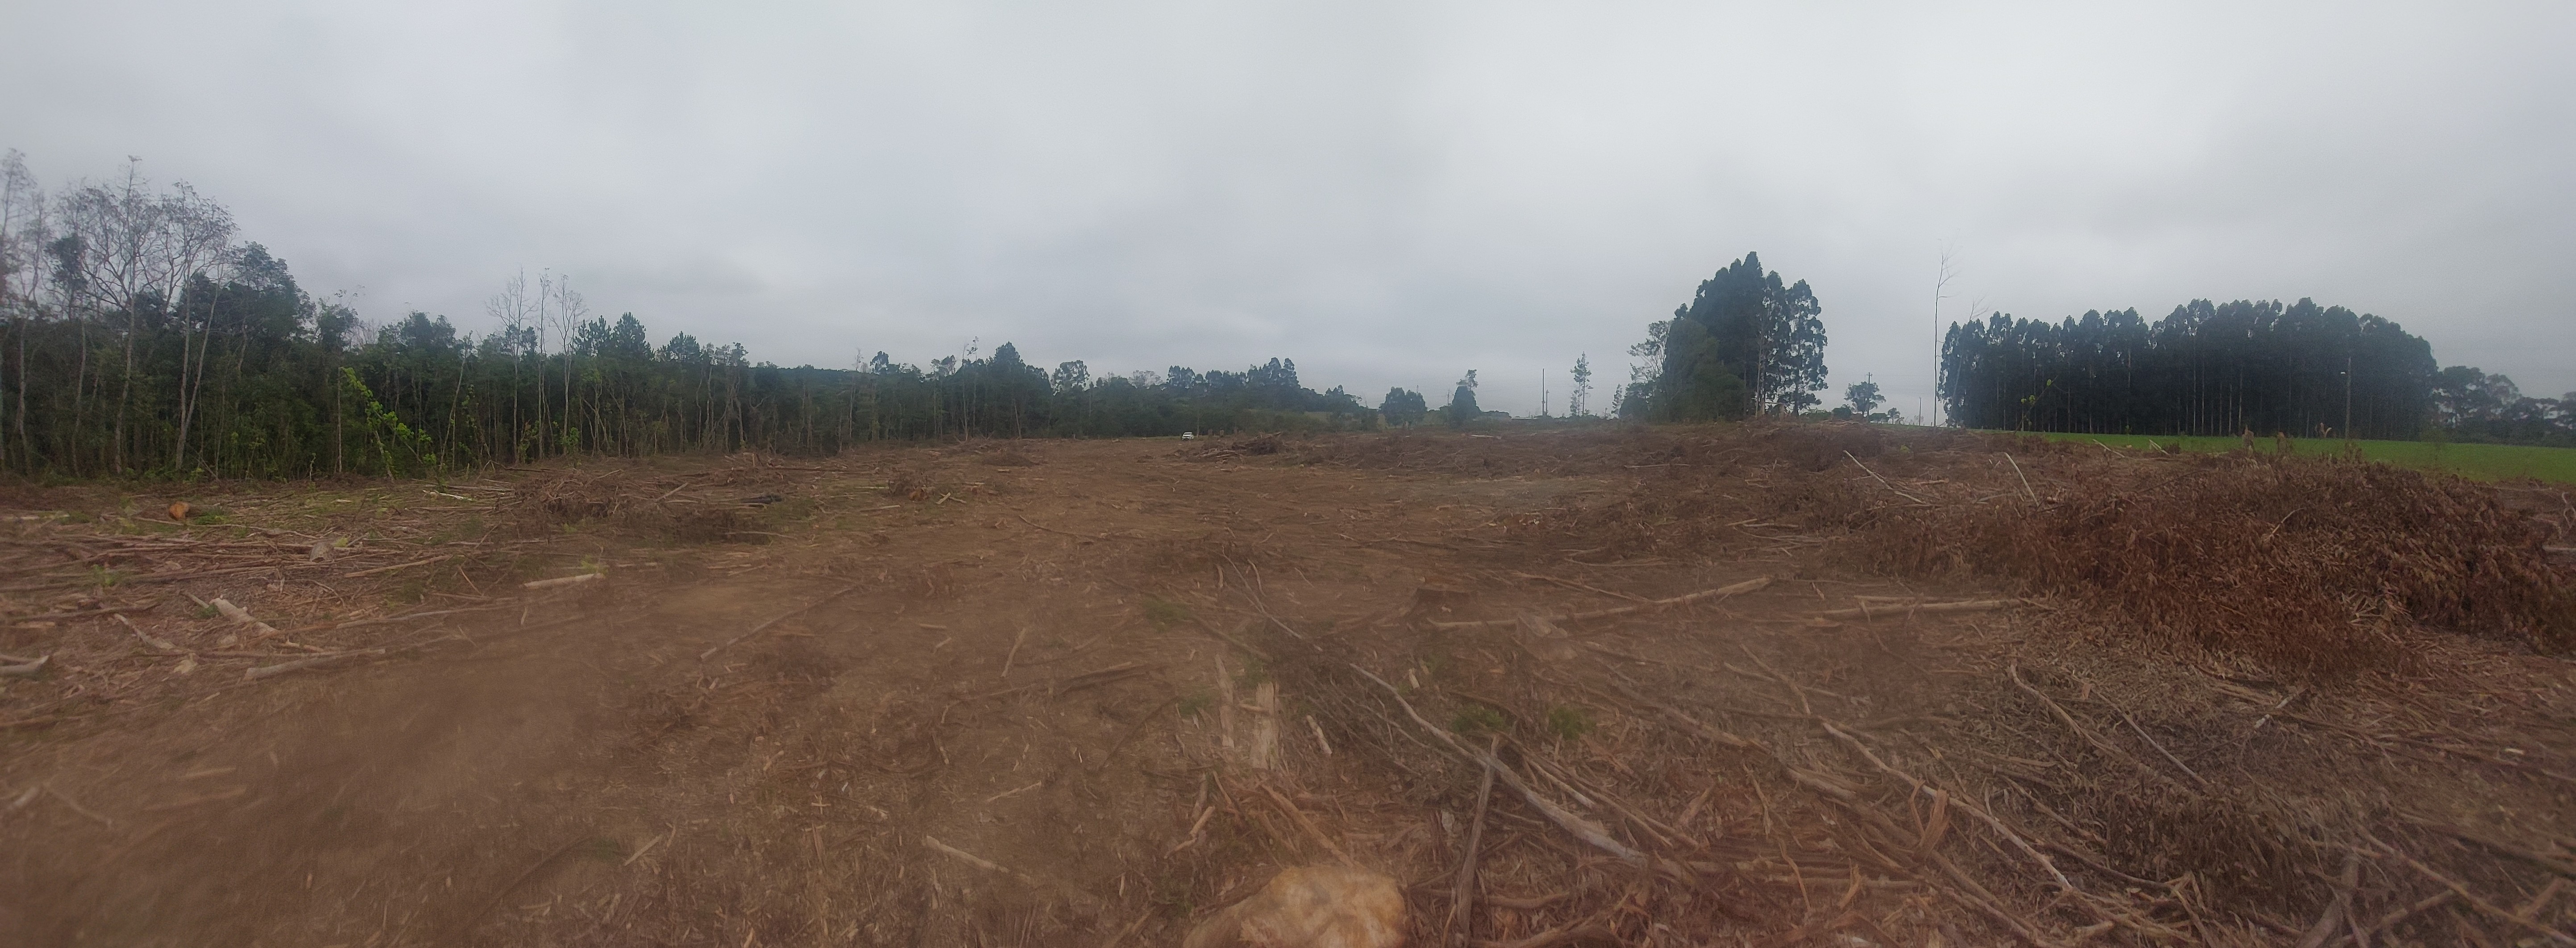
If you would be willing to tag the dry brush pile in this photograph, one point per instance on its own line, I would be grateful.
(2305, 565)
(2252, 701)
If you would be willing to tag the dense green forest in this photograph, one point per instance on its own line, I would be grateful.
(142, 336)
(2222, 369)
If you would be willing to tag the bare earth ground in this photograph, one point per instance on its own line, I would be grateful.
(1053, 693)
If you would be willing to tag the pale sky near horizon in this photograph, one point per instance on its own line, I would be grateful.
(1388, 193)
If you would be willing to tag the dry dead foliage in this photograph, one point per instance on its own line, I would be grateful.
(2302, 564)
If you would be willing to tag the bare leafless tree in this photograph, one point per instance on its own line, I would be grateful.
(135, 253)
(518, 314)
(569, 311)
(24, 231)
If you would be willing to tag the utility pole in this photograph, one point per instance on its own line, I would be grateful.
(1542, 393)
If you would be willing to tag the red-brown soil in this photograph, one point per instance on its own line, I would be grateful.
(793, 676)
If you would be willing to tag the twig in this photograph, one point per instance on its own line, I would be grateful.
(2014, 671)
(1079, 897)
(561, 581)
(406, 617)
(1006, 794)
(2557, 864)
(504, 891)
(1558, 936)
(1462, 897)
(781, 617)
(162, 644)
(2025, 478)
(2420, 745)
(650, 843)
(1739, 588)
(77, 808)
(1956, 802)
(1299, 817)
(281, 668)
(963, 856)
(2474, 901)
(1865, 612)
(1094, 679)
(2331, 920)
(28, 670)
(2151, 742)
(1131, 928)
(1982, 900)
(388, 569)
(1570, 584)
(82, 613)
(241, 616)
(1041, 526)
(1581, 828)
(2401, 913)
(1133, 730)
(1882, 482)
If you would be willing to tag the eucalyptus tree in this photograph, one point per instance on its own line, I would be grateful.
(1747, 341)
(2204, 369)
(1577, 399)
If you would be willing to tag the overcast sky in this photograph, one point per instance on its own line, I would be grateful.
(1388, 193)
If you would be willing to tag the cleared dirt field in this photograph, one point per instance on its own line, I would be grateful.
(1737, 685)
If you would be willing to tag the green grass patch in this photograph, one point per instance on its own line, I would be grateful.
(2477, 462)
(1569, 722)
(1255, 673)
(1164, 613)
(1474, 719)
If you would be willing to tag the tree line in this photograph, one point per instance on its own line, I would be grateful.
(141, 335)
(2223, 369)
(2472, 405)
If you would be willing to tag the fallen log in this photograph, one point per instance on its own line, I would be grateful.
(388, 569)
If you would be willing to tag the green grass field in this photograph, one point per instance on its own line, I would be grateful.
(2483, 462)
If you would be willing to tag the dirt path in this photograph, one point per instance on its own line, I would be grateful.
(1050, 659)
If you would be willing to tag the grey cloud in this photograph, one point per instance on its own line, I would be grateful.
(1388, 193)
